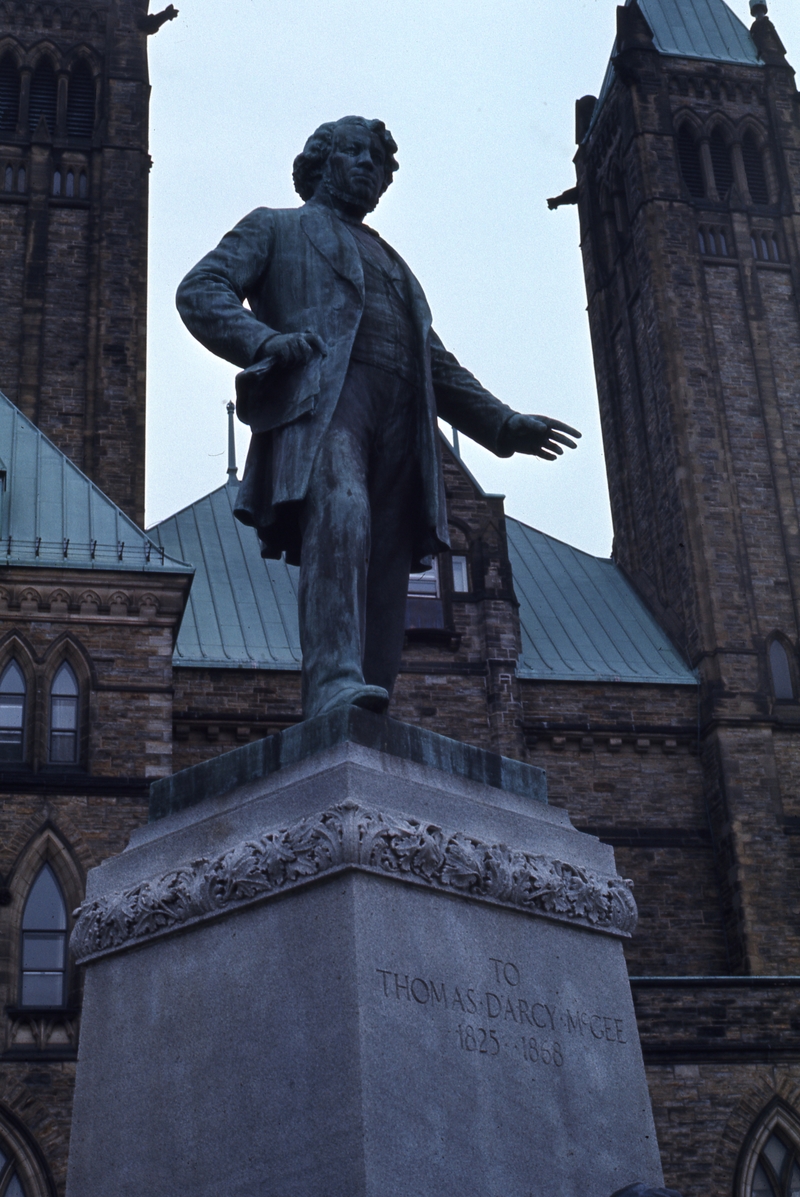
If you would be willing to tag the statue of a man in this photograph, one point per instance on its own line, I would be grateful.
(343, 379)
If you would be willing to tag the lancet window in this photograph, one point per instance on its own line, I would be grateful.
(64, 695)
(44, 943)
(12, 713)
(780, 669)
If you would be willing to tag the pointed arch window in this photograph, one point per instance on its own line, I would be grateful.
(44, 943)
(9, 94)
(777, 1173)
(781, 672)
(691, 166)
(80, 101)
(754, 169)
(64, 695)
(12, 713)
(9, 178)
(44, 96)
(10, 1185)
(721, 163)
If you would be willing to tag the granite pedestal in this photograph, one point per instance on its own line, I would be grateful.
(369, 962)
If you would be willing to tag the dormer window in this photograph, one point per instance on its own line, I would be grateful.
(425, 584)
(460, 575)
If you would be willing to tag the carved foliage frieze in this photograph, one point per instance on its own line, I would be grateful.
(349, 836)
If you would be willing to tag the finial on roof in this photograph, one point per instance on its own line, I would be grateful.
(232, 470)
(758, 8)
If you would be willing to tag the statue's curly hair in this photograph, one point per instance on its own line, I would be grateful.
(309, 165)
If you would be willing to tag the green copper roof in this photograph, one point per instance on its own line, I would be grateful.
(242, 610)
(699, 29)
(705, 29)
(53, 515)
(581, 619)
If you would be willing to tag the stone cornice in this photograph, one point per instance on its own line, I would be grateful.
(349, 836)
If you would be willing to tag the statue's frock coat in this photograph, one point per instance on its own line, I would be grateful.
(300, 270)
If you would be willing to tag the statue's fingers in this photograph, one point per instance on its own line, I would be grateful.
(317, 343)
(552, 447)
(562, 440)
(542, 452)
(557, 424)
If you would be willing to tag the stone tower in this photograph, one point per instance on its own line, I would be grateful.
(688, 172)
(74, 96)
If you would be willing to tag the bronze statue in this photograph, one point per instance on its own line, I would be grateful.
(343, 379)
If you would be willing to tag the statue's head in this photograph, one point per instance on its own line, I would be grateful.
(353, 159)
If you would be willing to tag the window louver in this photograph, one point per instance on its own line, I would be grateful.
(721, 162)
(691, 167)
(80, 102)
(9, 95)
(43, 96)
(754, 170)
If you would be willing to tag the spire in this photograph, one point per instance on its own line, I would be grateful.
(232, 470)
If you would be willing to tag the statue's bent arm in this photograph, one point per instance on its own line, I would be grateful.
(210, 299)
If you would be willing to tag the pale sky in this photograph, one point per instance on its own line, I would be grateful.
(480, 98)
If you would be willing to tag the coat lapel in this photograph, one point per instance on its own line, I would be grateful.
(329, 235)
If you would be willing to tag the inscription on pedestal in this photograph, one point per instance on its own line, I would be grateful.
(503, 1014)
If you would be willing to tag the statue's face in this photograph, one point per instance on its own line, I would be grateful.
(356, 168)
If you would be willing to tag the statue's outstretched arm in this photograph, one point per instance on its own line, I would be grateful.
(469, 407)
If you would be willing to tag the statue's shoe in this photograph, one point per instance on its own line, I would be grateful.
(369, 698)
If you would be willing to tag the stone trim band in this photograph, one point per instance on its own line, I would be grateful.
(349, 836)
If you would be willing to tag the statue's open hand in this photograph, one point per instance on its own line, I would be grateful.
(293, 349)
(538, 435)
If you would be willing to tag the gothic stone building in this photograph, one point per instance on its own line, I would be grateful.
(659, 689)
